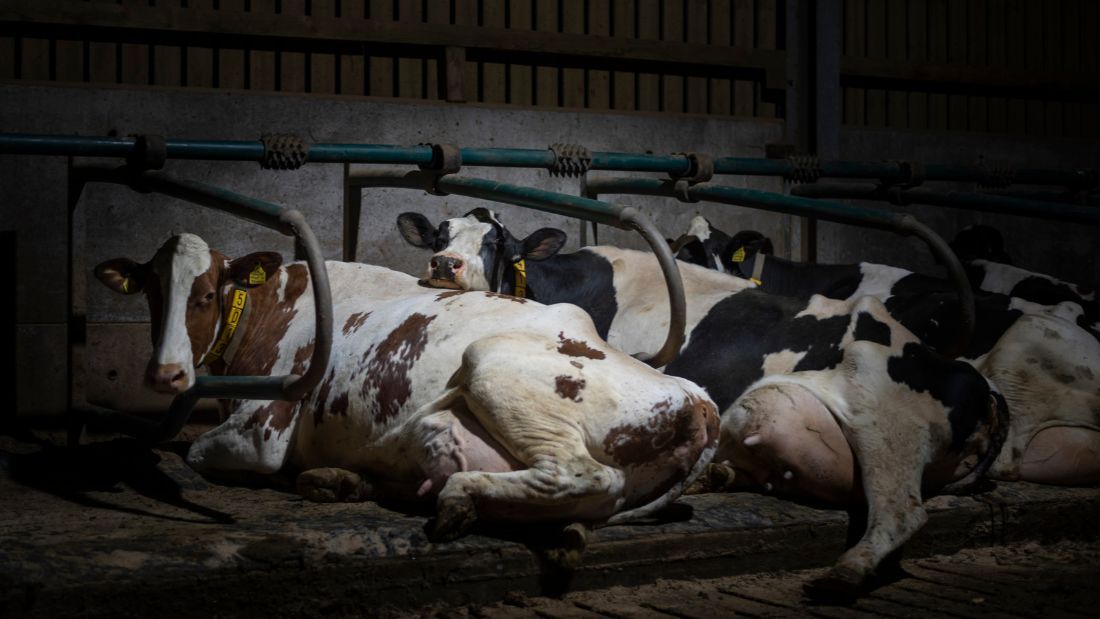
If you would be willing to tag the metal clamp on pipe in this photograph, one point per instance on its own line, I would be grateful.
(283, 151)
(150, 153)
(570, 160)
(287, 221)
(446, 159)
(700, 170)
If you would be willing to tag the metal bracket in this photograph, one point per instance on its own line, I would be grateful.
(807, 169)
(446, 159)
(283, 151)
(150, 153)
(570, 160)
(700, 168)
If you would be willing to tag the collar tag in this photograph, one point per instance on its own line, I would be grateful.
(521, 278)
(232, 321)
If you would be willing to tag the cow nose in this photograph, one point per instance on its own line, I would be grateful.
(445, 267)
(167, 378)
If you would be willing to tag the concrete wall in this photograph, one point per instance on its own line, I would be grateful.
(113, 221)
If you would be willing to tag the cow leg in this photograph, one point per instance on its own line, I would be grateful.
(892, 472)
(255, 439)
(1062, 455)
(333, 485)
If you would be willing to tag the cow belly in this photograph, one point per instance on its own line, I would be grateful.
(1062, 455)
(782, 439)
(453, 441)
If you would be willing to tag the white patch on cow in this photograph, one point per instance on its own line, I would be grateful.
(280, 292)
(780, 362)
(822, 307)
(467, 237)
(1002, 278)
(877, 280)
(699, 228)
(177, 271)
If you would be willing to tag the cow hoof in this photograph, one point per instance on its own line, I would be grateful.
(840, 585)
(571, 546)
(715, 478)
(454, 516)
(332, 485)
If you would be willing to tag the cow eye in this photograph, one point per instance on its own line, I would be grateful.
(209, 297)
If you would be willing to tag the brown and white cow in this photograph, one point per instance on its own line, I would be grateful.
(494, 407)
(820, 399)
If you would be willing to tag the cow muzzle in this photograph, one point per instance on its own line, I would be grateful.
(167, 378)
(444, 271)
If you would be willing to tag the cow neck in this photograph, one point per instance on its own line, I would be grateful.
(749, 266)
(236, 307)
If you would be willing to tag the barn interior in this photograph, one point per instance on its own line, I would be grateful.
(957, 113)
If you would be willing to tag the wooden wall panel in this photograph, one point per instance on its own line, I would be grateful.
(855, 45)
(767, 29)
(35, 63)
(521, 76)
(743, 30)
(7, 57)
(917, 51)
(721, 89)
(648, 85)
(69, 61)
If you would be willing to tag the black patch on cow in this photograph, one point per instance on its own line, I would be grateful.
(584, 279)
(869, 329)
(793, 279)
(727, 348)
(935, 319)
(954, 383)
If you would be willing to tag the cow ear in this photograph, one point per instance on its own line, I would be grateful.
(681, 242)
(543, 243)
(693, 251)
(416, 230)
(255, 269)
(122, 275)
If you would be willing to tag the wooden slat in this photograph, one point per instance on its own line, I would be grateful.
(1071, 35)
(599, 81)
(648, 84)
(1016, 116)
(166, 64)
(957, 106)
(977, 54)
(1035, 117)
(1052, 34)
(572, 80)
(998, 115)
(1090, 120)
(493, 88)
(876, 48)
(322, 73)
(697, 32)
(897, 49)
(1054, 111)
(1033, 40)
(546, 78)
(439, 12)
(200, 67)
(292, 72)
(381, 67)
(1090, 23)
(720, 34)
(917, 26)
(998, 30)
(672, 29)
(743, 36)
(520, 76)
(352, 67)
(353, 9)
(622, 26)
(233, 5)
(466, 17)
(231, 68)
(69, 57)
(767, 16)
(261, 63)
(7, 57)
(36, 59)
(323, 8)
(937, 52)
(410, 71)
(855, 46)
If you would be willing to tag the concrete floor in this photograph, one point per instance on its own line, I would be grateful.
(114, 529)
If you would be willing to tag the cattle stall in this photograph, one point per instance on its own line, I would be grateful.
(789, 118)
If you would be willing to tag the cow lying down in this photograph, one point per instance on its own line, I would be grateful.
(821, 400)
(493, 407)
(1045, 359)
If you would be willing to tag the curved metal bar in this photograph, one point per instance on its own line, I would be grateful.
(287, 221)
(675, 164)
(831, 211)
(561, 204)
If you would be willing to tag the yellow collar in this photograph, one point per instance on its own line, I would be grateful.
(233, 320)
(521, 278)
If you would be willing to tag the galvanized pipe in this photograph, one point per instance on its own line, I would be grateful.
(674, 164)
(287, 221)
(830, 211)
(562, 204)
(1004, 205)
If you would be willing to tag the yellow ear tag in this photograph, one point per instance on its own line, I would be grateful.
(126, 285)
(257, 276)
(739, 255)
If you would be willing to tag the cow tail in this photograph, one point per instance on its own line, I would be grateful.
(672, 493)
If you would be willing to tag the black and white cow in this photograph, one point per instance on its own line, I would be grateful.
(820, 399)
(1044, 357)
(425, 398)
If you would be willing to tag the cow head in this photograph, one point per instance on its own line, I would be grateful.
(471, 252)
(702, 244)
(186, 285)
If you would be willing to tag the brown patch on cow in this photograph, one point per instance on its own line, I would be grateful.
(663, 432)
(568, 387)
(322, 397)
(388, 365)
(577, 348)
(276, 415)
(355, 321)
(507, 297)
(268, 321)
(448, 294)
